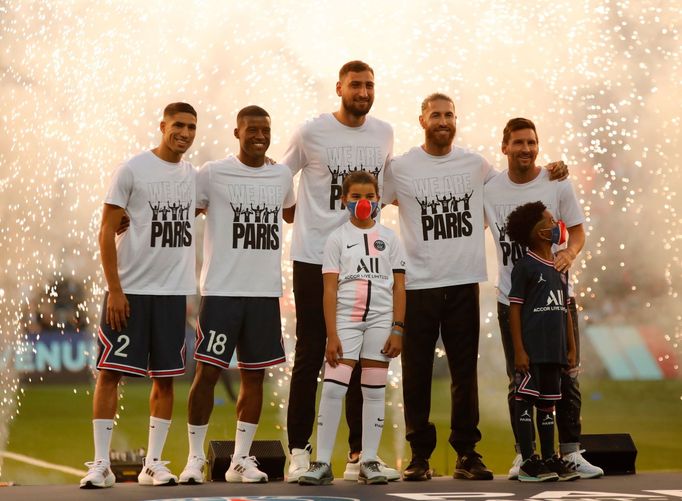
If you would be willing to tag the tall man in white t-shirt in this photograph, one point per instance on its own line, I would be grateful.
(325, 150)
(149, 271)
(439, 188)
(241, 282)
(521, 183)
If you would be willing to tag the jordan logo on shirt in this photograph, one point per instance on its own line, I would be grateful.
(342, 160)
(170, 204)
(255, 221)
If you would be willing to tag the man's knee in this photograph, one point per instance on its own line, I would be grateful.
(252, 380)
(207, 374)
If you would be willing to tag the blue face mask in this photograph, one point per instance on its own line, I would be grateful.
(363, 209)
(559, 233)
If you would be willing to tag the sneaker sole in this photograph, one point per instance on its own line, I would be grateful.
(569, 478)
(241, 480)
(467, 475)
(421, 478)
(590, 475)
(315, 481)
(170, 483)
(90, 485)
(373, 481)
(191, 481)
(351, 477)
(524, 478)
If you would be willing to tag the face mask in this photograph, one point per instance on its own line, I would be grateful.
(559, 233)
(363, 209)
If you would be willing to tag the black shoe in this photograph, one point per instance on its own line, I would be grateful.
(470, 467)
(417, 470)
(534, 470)
(561, 468)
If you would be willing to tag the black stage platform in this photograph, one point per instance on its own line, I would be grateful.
(640, 487)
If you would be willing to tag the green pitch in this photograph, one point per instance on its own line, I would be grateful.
(54, 425)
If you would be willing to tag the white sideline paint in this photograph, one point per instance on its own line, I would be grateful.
(42, 464)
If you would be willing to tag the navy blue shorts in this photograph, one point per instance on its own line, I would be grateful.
(252, 325)
(153, 343)
(541, 382)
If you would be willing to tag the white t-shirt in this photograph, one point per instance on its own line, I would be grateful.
(325, 151)
(365, 260)
(156, 254)
(502, 196)
(441, 215)
(243, 237)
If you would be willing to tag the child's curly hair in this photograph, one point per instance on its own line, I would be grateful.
(522, 220)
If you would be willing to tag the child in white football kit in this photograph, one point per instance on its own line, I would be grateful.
(364, 307)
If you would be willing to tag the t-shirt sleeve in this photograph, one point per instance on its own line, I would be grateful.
(570, 210)
(289, 197)
(389, 185)
(203, 184)
(331, 261)
(121, 187)
(295, 157)
(489, 171)
(398, 260)
(517, 294)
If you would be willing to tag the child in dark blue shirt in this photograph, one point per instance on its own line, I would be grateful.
(542, 333)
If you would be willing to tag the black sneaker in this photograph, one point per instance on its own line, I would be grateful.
(470, 467)
(561, 468)
(534, 470)
(417, 470)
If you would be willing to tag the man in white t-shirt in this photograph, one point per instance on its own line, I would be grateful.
(149, 271)
(325, 150)
(522, 183)
(439, 188)
(241, 282)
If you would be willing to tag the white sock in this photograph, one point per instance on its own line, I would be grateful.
(197, 437)
(102, 429)
(373, 404)
(158, 431)
(243, 438)
(328, 417)
(373, 382)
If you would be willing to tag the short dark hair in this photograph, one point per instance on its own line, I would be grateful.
(436, 96)
(252, 111)
(356, 66)
(359, 177)
(175, 108)
(518, 123)
(522, 220)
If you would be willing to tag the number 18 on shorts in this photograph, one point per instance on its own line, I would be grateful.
(252, 325)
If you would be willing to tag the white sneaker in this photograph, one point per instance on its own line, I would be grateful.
(577, 462)
(352, 471)
(194, 471)
(245, 470)
(99, 475)
(156, 473)
(514, 470)
(299, 463)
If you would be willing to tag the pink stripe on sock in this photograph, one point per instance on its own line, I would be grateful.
(374, 376)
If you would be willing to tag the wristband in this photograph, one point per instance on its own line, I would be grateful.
(396, 332)
(398, 324)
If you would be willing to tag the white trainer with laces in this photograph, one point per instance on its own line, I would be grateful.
(352, 471)
(245, 470)
(194, 471)
(99, 475)
(156, 473)
(516, 466)
(577, 462)
(299, 463)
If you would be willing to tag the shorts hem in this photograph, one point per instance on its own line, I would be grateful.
(260, 365)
